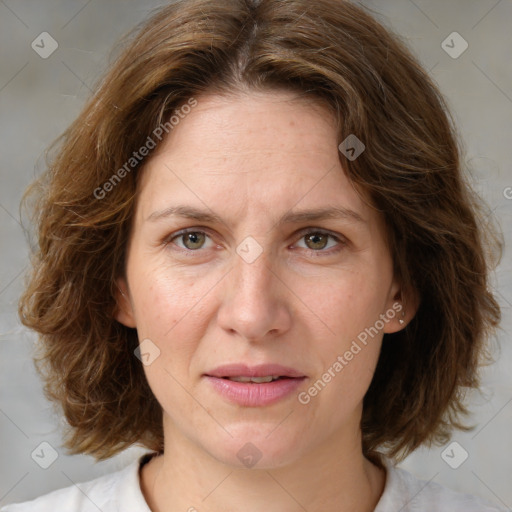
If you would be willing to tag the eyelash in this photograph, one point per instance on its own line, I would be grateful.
(341, 242)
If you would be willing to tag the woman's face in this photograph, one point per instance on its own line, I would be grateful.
(263, 278)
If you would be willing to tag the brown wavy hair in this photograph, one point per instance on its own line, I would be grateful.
(329, 51)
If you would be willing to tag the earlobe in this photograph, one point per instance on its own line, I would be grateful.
(401, 320)
(124, 310)
(402, 309)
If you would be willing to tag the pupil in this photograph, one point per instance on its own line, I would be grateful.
(318, 240)
(195, 239)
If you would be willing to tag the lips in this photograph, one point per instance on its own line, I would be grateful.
(240, 370)
(254, 386)
(256, 380)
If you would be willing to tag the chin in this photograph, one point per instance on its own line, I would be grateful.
(256, 446)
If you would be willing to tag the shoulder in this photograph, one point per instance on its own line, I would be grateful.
(119, 491)
(405, 492)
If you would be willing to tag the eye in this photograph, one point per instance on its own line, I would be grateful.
(316, 241)
(191, 240)
(320, 241)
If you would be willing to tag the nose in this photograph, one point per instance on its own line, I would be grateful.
(255, 302)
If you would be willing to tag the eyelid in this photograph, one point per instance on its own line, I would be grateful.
(195, 229)
(322, 231)
(340, 239)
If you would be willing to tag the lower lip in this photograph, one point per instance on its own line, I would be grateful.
(250, 394)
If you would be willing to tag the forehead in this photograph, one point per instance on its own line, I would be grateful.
(264, 152)
(241, 124)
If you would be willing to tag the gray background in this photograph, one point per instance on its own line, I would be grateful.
(40, 97)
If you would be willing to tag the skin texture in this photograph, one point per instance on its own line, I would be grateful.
(250, 159)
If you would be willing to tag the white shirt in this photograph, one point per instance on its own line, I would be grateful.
(121, 492)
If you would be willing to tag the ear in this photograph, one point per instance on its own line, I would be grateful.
(400, 308)
(124, 311)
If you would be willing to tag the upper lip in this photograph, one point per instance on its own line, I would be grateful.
(261, 370)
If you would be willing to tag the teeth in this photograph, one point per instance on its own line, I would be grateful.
(257, 380)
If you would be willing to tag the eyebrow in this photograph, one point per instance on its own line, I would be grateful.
(291, 217)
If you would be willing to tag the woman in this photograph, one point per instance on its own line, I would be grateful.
(259, 260)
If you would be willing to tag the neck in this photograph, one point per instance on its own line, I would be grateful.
(332, 476)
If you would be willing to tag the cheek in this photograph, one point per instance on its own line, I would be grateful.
(172, 312)
(337, 394)
(166, 297)
(346, 343)
(345, 303)
(348, 350)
